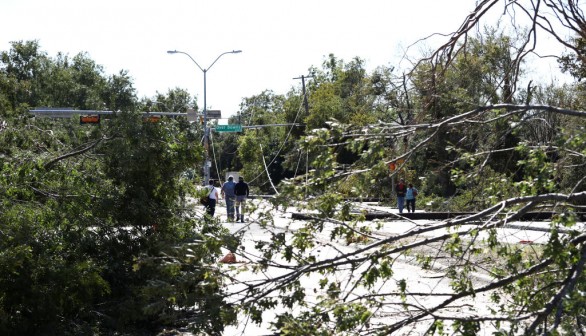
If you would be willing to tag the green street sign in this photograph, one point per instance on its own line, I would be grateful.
(228, 128)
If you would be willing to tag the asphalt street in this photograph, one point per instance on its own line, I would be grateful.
(428, 286)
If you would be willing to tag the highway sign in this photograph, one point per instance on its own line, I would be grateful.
(229, 128)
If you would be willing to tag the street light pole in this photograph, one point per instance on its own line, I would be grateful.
(206, 132)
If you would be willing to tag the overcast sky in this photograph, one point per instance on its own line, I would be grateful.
(279, 39)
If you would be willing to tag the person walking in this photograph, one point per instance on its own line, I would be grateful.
(241, 190)
(410, 197)
(230, 197)
(401, 189)
(213, 197)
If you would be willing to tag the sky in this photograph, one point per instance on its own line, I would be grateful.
(280, 39)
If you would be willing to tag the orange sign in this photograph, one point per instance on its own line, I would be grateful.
(154, 118)
(89, 119)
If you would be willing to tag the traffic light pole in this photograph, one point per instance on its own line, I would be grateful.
(206, 133)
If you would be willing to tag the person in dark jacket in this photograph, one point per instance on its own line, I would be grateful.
(241, 190)
(401, 189)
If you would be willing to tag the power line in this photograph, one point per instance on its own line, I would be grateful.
(306, 105)
(281, 147)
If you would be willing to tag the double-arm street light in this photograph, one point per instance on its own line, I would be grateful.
(206, 137)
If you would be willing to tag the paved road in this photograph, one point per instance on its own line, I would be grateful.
(418, 280)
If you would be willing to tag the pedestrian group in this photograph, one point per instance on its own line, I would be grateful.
(405, 193)
(235, 195)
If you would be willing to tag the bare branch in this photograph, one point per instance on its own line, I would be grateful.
(557, 300)
(50, 164)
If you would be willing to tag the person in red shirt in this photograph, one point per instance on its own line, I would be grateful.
(401, 189)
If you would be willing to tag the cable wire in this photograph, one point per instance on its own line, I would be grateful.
(267, 170)
(297, 167)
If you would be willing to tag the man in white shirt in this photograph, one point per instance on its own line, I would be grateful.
(213, 198)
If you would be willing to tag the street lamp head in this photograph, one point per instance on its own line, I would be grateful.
(236, 51)
(171, 51)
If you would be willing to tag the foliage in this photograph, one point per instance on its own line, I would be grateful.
(460, 125)
(94, 233)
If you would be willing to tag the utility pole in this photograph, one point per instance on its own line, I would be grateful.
(304, 94)
(307, 113)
